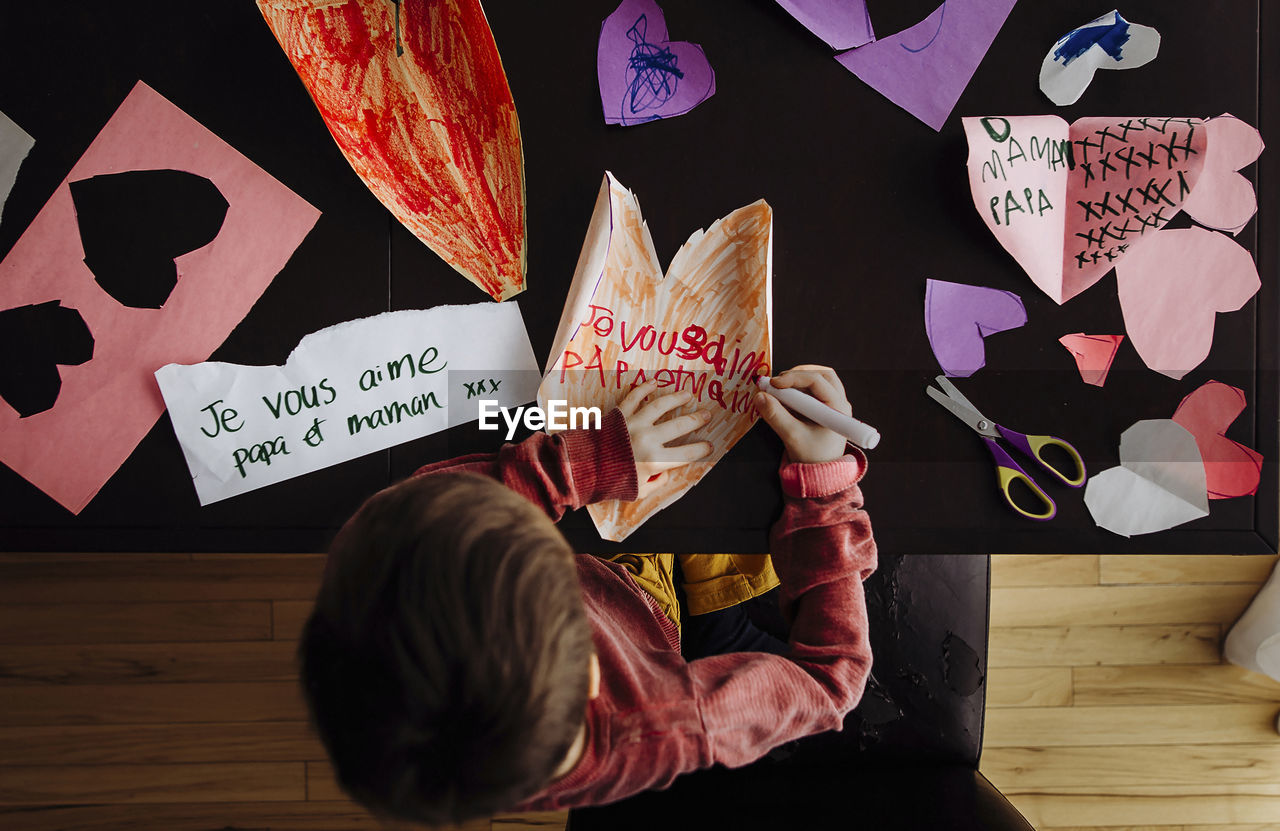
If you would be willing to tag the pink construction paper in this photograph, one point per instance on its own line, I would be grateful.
(924, 69)
(842, 24)
(1223, 199)
(107, 404)
(958, 317)
(1171, 289)
(643, 76)
(1230, 468)
(1070, 201)
(1093, 354)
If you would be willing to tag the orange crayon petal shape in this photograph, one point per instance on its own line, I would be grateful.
(704, 327)
(432, 131)
(1231, 469)
(1093, 354)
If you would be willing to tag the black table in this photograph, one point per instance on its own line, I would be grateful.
(868, 203)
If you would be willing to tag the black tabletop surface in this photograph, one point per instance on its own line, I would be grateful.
(868, 203)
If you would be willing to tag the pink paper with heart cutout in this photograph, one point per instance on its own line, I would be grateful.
(1171, 290)
(1223, 199)
(1230, 468)
(1071, 201)
(704, 326)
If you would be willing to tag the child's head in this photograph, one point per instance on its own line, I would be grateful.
(446, 661)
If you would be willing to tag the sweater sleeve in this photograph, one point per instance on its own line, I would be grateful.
(559, 472)
(823, 549)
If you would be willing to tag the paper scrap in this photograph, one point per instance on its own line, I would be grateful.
(107, 404)
(958, 317)
(1070, 202)
(643, 76)
(1109, 42)
(1093, 354)
(842, 24)
(1171, 289)
(15, 144)
(347, 391)
(925, 68)
(1160, 482)
(1223, 199)
(703, 327)
(417, 100)
(1230, 468)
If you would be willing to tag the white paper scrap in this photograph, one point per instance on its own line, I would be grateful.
(15, 144)
(346, 391)
(1110, 42)
(1160, 482)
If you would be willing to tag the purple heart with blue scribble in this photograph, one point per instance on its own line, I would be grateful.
(643, 76)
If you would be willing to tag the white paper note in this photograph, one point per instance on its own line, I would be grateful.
(346, 391)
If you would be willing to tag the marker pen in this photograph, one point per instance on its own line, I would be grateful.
(860, 433)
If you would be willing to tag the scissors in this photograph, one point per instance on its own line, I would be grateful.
(1007, 470)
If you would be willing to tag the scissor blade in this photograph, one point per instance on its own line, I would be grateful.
(960, 411)
(955, 394)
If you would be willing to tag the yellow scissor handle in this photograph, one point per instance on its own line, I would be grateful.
(1006, 476)
(1038, 443)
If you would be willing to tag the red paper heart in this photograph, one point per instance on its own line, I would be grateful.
(415, 95)
(1230, 468)
(703, 327)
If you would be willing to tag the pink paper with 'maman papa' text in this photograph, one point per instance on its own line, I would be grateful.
(107, 404)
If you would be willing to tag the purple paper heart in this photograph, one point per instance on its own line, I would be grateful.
(643, 76)
(957, 317)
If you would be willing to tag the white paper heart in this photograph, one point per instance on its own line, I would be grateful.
(1160, 482)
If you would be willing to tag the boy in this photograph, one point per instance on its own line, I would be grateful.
(462, 661)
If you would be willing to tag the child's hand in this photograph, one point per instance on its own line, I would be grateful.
(650, 436)
(804, 440)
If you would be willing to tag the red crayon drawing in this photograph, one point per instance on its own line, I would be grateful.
(415, 95)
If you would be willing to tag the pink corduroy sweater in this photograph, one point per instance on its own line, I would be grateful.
(657, 715)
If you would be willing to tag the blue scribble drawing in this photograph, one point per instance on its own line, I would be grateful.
(942, 16)
(652, 75)
(1110, 37)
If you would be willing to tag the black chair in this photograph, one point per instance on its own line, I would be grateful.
(907, 757)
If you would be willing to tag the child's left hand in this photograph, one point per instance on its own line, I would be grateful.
(650, 436)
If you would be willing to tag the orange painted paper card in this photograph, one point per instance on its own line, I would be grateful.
(78, 399)
(704, 327)
(414, 93)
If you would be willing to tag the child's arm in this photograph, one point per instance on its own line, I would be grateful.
(822, 549)
(573, 468)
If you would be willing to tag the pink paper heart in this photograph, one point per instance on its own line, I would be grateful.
(1223, 199)
(1093, 354)
(1230, 468)
(1171, 289)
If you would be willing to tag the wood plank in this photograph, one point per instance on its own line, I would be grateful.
(1188, 764)
(1186, 568)
(87, 785)
(207, 816)
(1115, 605)
(1044, 569)
(288, 617)
(151, 704)
(135, 622)
(1149, 805)
(1217, 684)
(86, 578)
(1025, 646)
(1083, 726)
(322, 782)
(139, 744)
(24, 664)
(1029, 687)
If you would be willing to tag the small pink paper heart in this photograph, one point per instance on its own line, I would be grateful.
(1093, 354)
(1223, 199)
(1230, 468)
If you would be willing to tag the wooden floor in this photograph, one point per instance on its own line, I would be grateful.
(159, 692)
